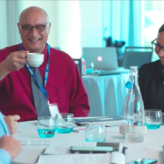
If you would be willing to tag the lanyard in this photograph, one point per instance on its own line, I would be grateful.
(46, 72)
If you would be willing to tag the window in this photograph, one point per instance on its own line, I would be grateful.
(153, 14)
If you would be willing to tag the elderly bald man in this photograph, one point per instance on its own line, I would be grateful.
(63, 84)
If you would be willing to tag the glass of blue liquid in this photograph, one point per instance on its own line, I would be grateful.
(46, 127)
(64, 122)
(95, 133)
(89, 68)
(153, 118)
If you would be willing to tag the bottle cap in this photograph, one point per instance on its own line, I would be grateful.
(134, 67)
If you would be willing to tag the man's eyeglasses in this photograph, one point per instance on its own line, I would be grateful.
(29, 28)
(157, 46)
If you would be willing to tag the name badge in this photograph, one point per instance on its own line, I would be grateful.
(53, 109)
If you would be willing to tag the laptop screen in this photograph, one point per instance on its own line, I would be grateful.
(104, 58)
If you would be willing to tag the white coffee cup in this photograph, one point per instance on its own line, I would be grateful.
(35, 59)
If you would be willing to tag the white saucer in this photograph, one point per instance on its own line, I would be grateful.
(135, 129)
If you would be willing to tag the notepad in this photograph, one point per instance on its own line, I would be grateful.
(75, 159)
(64, 147)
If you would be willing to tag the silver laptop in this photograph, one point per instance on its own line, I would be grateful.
(104, 59)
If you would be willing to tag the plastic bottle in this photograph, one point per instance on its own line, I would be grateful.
(134, 109)
(83, 66)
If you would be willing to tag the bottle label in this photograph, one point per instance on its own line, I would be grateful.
(83, 66)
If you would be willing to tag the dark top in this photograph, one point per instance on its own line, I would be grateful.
(151, 85)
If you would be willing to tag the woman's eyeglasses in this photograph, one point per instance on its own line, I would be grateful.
(157, 46)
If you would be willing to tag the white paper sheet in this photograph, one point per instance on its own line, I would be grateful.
(75, 159)
(29, 154)
(156, 134)
(64, 148)
(30, 141)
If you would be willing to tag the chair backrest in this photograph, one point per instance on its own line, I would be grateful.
(78, 64)
(137, 56)
(58, 48)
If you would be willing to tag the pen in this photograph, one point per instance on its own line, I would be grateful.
(18, 131)
(82, 129)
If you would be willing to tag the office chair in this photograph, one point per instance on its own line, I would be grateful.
(78, 64)
(137, 56)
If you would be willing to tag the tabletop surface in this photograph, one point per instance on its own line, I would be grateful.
(151, 147)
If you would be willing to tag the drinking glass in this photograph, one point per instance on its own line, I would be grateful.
(64, 122)
(153, 118)
(95, 133)
(46, 127)
(89, 67)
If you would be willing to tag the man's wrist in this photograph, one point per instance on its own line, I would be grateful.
(4, 66)
(3, 70)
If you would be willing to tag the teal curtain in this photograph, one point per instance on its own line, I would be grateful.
(9, 15)
(123, 20)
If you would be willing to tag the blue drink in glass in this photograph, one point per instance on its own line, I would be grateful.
(46, 133)
(64, 130)
(64, 122)
(153, 126)
(153, 118)
(46, 127)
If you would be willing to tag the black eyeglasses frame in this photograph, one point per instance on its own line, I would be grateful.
(31, 27)
(156, 44)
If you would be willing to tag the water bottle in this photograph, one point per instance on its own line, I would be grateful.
(134, 109)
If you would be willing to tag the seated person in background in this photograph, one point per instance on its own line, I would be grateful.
(9, 147)
(151, 76)
(59, 74)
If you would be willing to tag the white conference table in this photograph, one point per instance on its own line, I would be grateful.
(150, 148)
(106, 94)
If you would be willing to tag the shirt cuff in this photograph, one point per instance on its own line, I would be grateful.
(5, 157)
